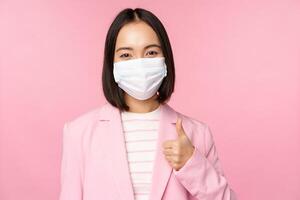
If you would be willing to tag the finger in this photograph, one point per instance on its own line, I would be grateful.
(179, 127)
(168, 144)
(170, 159)
(168, 152)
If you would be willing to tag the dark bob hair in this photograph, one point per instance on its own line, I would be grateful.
(115, 95)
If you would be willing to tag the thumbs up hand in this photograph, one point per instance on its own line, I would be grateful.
(177, 152)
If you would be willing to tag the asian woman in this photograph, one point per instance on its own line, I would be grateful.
(136, 146)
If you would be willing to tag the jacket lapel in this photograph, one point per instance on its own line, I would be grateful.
(117, 157)
(162, 169)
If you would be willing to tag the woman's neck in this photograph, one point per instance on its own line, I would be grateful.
(142, 106)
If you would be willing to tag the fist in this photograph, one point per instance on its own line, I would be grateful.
(177, 152)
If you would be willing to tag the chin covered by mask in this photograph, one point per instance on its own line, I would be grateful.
(141, 77)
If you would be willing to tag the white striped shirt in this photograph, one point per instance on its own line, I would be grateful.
(141, 133)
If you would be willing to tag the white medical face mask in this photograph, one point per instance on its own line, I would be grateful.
(141, 77)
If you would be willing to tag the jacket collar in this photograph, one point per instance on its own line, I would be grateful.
(116, 156)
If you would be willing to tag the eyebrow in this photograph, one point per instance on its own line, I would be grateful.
(129, 48)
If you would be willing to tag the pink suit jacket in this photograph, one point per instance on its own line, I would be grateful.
(94, 162)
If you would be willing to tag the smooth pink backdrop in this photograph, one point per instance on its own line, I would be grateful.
(238, 70)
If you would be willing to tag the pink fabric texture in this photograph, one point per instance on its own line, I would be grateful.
(94, 164)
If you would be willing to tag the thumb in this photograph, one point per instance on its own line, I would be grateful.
(179, 127)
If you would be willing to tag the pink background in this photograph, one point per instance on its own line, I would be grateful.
(238, 70)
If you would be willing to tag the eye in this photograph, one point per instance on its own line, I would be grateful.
(124, 55)
(152, 53)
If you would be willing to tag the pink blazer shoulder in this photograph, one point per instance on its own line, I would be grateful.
(94, 162)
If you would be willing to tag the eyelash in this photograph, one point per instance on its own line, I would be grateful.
(155, 53)
(121, 56)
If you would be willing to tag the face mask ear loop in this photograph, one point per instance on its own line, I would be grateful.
(166, 69)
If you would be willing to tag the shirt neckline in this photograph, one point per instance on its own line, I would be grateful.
(153, 112)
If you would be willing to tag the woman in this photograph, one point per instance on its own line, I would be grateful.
(136, 146)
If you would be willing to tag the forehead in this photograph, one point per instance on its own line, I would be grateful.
(136, 34)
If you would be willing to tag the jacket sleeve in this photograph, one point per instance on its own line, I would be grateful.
(203, 176)
(70, 174)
